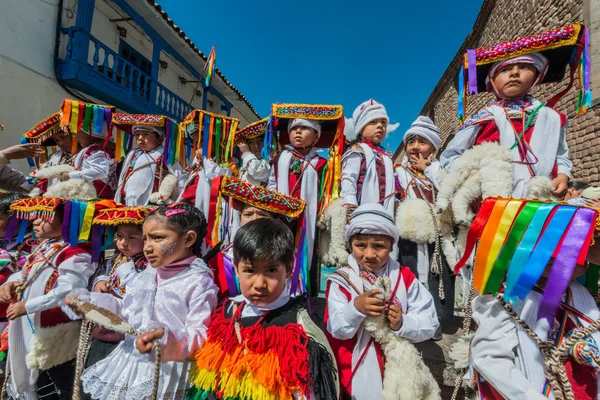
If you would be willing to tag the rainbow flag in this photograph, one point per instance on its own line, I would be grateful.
(209, 67)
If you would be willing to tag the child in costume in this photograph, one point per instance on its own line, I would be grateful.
(419, 247)
(170, 301)
(532, 131)
(147, 175)
(250, 141)
(367, 170)
(262, 344)
(352, 300)
(42, 338)
(121, 268)
(537, 326)
(94, 163)
(252, 202)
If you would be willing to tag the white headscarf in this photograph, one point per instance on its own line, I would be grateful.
(371, 219)
(305, 123)
(367, 112)
(425, 128)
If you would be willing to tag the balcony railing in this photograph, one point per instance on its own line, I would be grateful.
(92, 67)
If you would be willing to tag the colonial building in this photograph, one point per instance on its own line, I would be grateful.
(502, 20)
(127, 53)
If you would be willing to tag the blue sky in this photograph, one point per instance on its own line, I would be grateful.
(330, 51)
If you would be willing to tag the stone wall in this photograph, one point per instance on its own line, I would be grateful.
(509, 19)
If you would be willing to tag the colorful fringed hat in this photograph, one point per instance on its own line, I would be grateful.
(216, 134)
(174, 142)
(43, 132)
(518, 239)
(564, 46)
(92, 118)
(25, 210)
(253, 130)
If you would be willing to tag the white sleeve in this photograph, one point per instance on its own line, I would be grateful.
(462, 141)
(107, 301)
(212, 169)
(562, 155)
(493, 350)
(96, 166)
(257, 169)
(344, 320)
(176, 170)
(16, 277)
(73, 273)
(181, 344)
(272, 184)
(433, 173)
(350, 175)
(419, 321)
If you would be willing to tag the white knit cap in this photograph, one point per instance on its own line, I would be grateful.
(425, 128)
(591, 193)
(305, 123)
(158, 130)
(367, 112)
(371, 219)
(539, 61)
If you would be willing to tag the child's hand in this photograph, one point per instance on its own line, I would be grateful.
(7, 292)
(560, 185)
(592, 203)
(64, 176)
(420, 163)
(242, 144)
(145, 341)
(102, 287)
(368, 304)
(16, 310)
(395, 317)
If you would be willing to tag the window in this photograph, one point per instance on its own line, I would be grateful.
(142, 64)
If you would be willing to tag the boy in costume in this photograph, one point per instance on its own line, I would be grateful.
(533, 132)
(262, 344)
(408, 312)
(537, 334)
(250, 141)
(151, 173)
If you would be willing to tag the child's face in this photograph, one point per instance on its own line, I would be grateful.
(163, 245)
(262, 281)
(371, 251)
(256, 146)
(251, 213)
(147, 140)
(303, 138)
(83, 139)
(47, 230)
(375, 131)
(514, 81)
(198, 154)
(129, 240)
(63, 141)
(572, 193)
(418, 145)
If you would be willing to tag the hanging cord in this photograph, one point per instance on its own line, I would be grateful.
(82, 352)
(466, 331)
(436, 263)
(554, 356)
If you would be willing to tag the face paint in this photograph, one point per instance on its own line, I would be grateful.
(170, 248)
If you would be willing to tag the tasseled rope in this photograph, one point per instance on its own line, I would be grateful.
(466, 331)
(156, 378)
(82, 351)
(323, 371)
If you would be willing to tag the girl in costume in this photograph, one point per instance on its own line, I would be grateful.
(416, 217)
(251, 202)
(367, 170)
(94, 163)
(171, 301)
(38, 363)
(537, 334)
(352, 300)
(250, 141)
(149, 175)
(534, 133)
(124, 265)
(262, 344)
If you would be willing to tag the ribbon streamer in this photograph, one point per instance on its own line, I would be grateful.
(472, 61)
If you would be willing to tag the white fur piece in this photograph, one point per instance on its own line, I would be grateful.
(73, 188)
(35, 192)
(459, 353)
(540, 188)
(53, 172)
(496, 179)
(53, 346)
(332, 242)
(167, 190)
(402, 360)
(414, 221)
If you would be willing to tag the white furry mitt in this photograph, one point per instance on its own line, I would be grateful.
(73, 188)
(167, 191)
(53, 172)
(415, 222)
(540, 188)
(402, 359)
(332, 242)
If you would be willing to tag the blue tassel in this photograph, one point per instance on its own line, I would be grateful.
(461, 94)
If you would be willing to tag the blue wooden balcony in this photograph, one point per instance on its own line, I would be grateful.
(95, 69)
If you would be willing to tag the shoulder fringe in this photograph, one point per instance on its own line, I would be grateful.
(53, 346)
(402, 359)
(540, 188)
(414, 221)
(72, 189)
(332, 241)
(53, 171)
